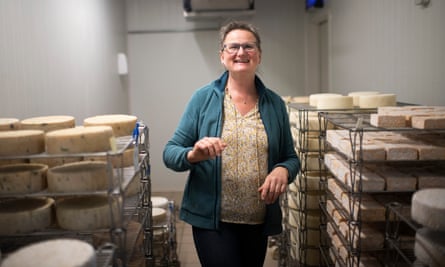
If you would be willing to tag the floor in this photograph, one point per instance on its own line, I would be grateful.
(186, 249)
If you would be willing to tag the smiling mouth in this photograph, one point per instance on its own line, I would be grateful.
(242, 60)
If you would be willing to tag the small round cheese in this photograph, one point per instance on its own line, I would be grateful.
(25, 215)
(159, 216)
(428, 207)
(82, 176)
(122, 124)
(356, 95)
(53, 253)
(48, 123)
(85, 213)
(375, 101)
(9, 124)
(159, 202)
(335, 102)
(21, 142)
(22, 178)
(79, 140)
(313, 98)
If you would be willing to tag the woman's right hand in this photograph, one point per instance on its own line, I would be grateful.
(206, 148)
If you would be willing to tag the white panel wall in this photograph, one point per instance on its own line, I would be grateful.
(59, 57)
(389, 46)
(170, 58)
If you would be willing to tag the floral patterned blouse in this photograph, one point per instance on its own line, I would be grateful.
(244, 165)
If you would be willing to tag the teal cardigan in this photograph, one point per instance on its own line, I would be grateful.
(203, 117)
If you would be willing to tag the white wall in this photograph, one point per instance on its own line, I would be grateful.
(59, 58)
(389, 46)
(170, 58)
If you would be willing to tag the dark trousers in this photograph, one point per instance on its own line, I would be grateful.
(233, 245)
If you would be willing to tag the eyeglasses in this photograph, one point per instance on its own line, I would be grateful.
(233, 48)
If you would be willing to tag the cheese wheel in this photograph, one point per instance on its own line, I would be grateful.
(48, 123)
(335, 102)
(429, 247)
(313, 98)
(53, 253)
(375, 101)
(159, 216)
(86, 213)
(22, 178)
(356, 95)
(25, 215)
(122, 124)
(9, 124)
(159, 202)
(21, 142)
(79, 140)
(124, 159)
(55, 161)
(428, 207)
(83, 176)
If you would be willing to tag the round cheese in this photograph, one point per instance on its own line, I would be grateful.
(85, 213)
(159, 216)
(21, 142)
(335, 102)
(356, 95)
(428, 207)
(375, 101)
(22, 178)
(429, 247)
(9, 124)
(25, 215)
(313, 98)
(48, 123)
(117, 160)
(122, 124)
(79, 140)
(53, 253)
(55, 161)
(82, 176)
(159, 202)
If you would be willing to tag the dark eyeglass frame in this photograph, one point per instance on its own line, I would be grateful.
(233, 48)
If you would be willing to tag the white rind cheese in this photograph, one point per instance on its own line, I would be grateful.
(22, 178)
(356, 95)
(313, 98)
(375, 101)
(25, 215)
(86, 213)
(53, 253)
(159, 202)
(21, 142)
(79, 140)
(122, 124)
(335, 102)
(48, 123)
(159, 216)
(83, 176)
(9, 124)
(427, 208)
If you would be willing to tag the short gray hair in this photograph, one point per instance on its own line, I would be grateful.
(238, 25)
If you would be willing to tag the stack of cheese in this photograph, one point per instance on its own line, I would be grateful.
(9, 124)
(428, 207)
(419, 117)
(359, 99)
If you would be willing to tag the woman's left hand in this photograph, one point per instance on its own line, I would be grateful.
(274, 185)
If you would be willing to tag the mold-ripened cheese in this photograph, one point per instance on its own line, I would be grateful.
(25, 215)
(9, 124)
(86, 213)
(379, 100)
(427, 208)
(21, 142)
(388, 121)
(335, 102)
(55, 161)
(122, 124)
(53, 253)
(356, 95)
(22, 178)
(305, 200)
(124, 159)
(82, 176)
(428, 122)
(48, 123)
(429, 247)
(79, 140)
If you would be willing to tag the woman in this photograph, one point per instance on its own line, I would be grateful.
(234, 138)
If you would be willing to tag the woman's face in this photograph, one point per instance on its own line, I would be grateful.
(240, 52)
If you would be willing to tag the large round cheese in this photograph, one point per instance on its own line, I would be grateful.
(53, 253)
(125, 159)
(428, 207)
(429, 247)
(85, 213)
(313, 98)
(83, 176)
(122, 124)
(375, 101)
(48, 123)
(356, 95)
(25, 215)
(22, 178)
(55, 161)
(335, 102)
(79, 140)
(9, 124)
(21, 142)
